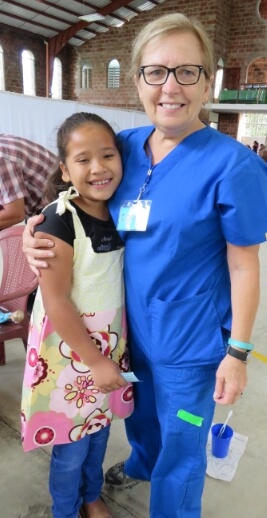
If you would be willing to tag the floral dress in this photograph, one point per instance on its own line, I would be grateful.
(60, 403)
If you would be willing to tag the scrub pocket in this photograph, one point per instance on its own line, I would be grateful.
(186, 332)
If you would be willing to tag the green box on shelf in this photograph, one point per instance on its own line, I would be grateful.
(262, 99)
(252, 95)
(242, 96)
(228, 96)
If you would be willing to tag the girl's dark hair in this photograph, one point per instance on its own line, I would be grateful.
(55, 183)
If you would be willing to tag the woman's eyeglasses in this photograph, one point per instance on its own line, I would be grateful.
(184, 74)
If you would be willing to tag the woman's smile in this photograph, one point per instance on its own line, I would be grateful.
(169, 106)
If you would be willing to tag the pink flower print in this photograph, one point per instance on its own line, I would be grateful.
(77, 364)
(47, 328)
(79, 432)
(32, 357)
(44, 436)
(34, 339)
(98, 420)
(94, 422)
(121, 401)
(35, 368)
(127, 395)
(105, 340)
(124, 361)
(95, 321)
(124, 325)
(76, 394)
(22, 425)
(40, 372)
(44, 428)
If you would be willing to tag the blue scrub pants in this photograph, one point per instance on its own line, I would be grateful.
(166, 450)
(76, 474)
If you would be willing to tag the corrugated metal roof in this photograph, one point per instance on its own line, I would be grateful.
(48, 18)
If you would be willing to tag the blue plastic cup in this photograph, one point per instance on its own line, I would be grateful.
(220, 445)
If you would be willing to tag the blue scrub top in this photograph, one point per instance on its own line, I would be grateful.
(207, 191)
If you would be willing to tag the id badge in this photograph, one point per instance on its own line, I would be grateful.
(134, 215)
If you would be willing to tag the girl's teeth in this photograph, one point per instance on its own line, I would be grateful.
(100, 183)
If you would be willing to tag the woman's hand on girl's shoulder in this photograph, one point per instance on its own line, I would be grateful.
(36, 249)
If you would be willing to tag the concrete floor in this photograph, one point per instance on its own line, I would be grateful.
(23, 488)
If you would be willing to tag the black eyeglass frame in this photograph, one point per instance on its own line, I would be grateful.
(172, 70)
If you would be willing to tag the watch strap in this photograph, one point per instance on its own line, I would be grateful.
(239, 355)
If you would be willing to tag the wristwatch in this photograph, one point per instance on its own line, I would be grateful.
(239, 355)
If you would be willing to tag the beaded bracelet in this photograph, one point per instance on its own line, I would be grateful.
(242, 345)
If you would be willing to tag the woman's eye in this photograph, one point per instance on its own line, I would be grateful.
(156, 72)
(187, 72)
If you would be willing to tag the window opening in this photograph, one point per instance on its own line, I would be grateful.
(86, 76)
(56, 89)
(114, 74)
(28, 72)
(2, 69)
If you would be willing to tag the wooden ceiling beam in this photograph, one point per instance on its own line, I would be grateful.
(57, 42)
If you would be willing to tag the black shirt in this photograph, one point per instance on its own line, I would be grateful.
(103, 234)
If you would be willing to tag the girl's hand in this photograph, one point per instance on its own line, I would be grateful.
(33, 248)
(107, 376)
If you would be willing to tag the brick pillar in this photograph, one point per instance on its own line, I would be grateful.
(231, 78)
(228, 124)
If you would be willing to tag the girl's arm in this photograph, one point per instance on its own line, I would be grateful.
(55, 285)
(243, 263)
(36, 249)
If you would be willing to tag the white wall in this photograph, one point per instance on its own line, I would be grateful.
(38, 118)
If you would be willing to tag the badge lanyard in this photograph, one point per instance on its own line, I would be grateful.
(134, 214)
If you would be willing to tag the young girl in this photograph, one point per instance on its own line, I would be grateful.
(77, 341)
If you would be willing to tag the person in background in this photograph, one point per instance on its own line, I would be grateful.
(77, 341)
(255, 146)
(261, 151)
(24, 170)
(191, 265)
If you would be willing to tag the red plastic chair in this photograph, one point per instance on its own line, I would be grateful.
(17, 283)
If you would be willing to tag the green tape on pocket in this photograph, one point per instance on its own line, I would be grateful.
(190, 418)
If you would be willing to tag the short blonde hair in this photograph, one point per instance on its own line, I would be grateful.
(172, 23)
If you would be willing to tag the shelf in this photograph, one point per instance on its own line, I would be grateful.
(237, 108)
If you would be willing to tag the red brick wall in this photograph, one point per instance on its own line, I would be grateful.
(238, 32)
(263, 9)
(257, 71)
(13, 42)
(248, 39)
(228, 123)
(100, 50)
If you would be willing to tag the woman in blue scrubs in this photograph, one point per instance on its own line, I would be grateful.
(192, 210)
